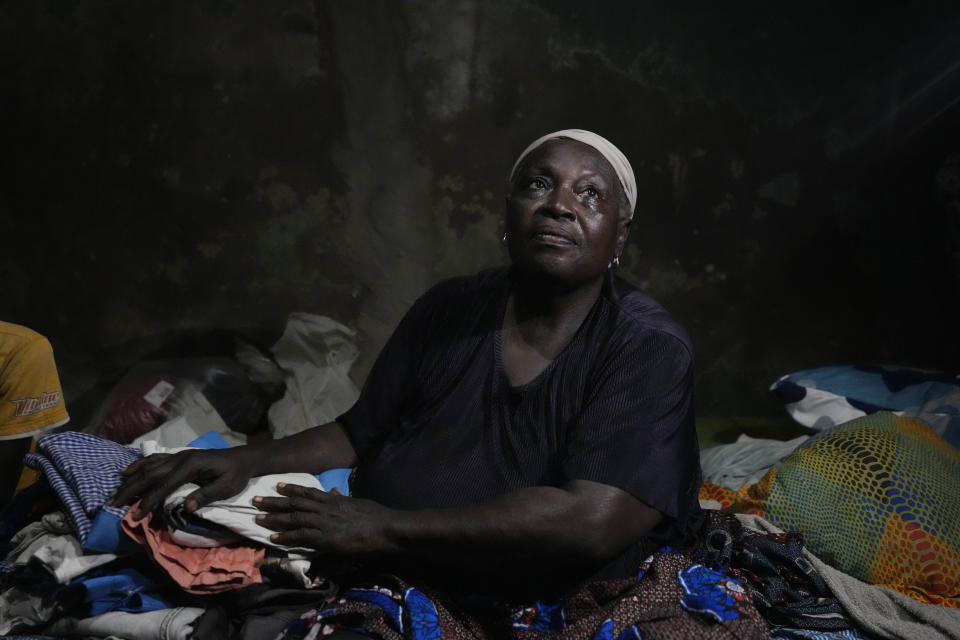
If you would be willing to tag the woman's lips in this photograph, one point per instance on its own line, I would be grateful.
(551, 238)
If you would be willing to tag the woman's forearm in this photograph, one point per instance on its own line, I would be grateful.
(583, 523)
(312, 451)
(222, 473)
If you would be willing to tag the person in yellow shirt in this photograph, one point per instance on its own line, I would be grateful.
(31, 400)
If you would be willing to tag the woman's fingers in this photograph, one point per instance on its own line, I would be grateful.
(296, 490)
(296, 498)
(222, 487)
(139, 475)
(301, 537)
(300, 514)
(285, 521)
(276, 505)
(325, 522)
(158, 490)
(155, 483)
(297, 528)
(134, 466)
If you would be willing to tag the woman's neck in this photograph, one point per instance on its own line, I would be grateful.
(551, 308)
(539, 323)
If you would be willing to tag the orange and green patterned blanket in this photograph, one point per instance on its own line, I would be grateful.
(877, 497)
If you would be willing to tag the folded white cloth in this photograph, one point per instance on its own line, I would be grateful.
(745, 461)
(238, 513)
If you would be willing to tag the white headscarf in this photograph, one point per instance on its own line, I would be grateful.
(613, 155)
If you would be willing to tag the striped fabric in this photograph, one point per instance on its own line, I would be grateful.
(83, 470)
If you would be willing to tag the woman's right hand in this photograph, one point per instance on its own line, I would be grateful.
(221, 473)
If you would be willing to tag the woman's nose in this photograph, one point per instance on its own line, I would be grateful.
(559, 205)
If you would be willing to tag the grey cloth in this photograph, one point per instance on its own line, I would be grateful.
(64, 558)
(745, 461)
(879, 611)
(163, 624)
(258, 611)
(214, 624)
(22, 540)
(20, 608)
(268, 625)
(52, 543)
(885, 613)
(267, 611)
(279, 568)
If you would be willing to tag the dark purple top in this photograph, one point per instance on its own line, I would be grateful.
(438, 424)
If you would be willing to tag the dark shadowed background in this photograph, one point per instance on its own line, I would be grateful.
(175, 172)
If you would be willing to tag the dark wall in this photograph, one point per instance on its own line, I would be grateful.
(178, 168)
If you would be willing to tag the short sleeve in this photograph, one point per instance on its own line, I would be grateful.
(389, 383)
(636, 432)
(30, 395)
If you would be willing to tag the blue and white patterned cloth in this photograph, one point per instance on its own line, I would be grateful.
(828, 396)
(83, 470)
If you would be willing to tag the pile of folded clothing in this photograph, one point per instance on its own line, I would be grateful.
(75, 566)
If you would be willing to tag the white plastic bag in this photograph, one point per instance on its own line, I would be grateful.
(198, 418)
(157, 391)
(316, 354)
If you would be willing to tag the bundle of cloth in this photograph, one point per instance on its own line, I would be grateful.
(875, 497)
(76, 566)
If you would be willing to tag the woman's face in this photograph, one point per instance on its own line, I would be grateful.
(562, 218)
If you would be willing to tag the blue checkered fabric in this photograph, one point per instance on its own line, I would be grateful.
(83, 470)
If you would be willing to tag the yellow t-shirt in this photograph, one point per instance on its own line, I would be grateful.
(31, 399)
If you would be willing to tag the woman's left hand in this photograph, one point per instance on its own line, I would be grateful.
(327, 522)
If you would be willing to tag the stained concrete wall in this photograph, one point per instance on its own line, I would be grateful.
(176, 169)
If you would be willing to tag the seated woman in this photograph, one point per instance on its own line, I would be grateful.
(524, 429)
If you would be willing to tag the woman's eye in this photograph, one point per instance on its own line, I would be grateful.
(537, 183)
(590, 192)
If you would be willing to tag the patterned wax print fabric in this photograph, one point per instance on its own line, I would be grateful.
(438, 423)
(875, 498)
(83, 470)
(30, 396)
(671, 597)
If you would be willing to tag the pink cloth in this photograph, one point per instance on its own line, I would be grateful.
(197, 570)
